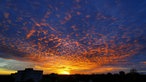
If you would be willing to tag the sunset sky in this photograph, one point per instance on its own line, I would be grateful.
(72, 36)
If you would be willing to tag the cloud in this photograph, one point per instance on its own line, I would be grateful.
(143, 62)
(11, 64)
(11, 53)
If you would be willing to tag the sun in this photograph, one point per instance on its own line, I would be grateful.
(64, 72)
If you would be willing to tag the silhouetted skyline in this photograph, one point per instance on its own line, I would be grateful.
(30, 75)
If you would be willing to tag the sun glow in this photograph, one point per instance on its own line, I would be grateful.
(6, 71)
(64, 72)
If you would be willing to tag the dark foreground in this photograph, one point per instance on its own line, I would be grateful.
(121, 77)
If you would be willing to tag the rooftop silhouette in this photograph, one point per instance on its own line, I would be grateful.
(31, 75)
(28, 75)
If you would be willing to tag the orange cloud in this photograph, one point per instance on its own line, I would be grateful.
(30, 34)
(6, 15)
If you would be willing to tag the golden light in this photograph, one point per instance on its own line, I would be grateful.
(6, 71)
(64, 72)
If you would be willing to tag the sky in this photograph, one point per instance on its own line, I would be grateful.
(72, 36)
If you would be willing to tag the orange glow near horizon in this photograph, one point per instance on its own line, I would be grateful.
(64, 72)
(60, 65)
(6, 71)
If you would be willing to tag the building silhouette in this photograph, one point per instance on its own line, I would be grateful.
(28, 75)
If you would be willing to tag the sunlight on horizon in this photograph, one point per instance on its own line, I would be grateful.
(64, 73)
(6, 71)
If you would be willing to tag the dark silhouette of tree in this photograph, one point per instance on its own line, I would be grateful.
(122, 73)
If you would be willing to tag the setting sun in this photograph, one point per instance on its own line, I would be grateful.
(64, 72)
